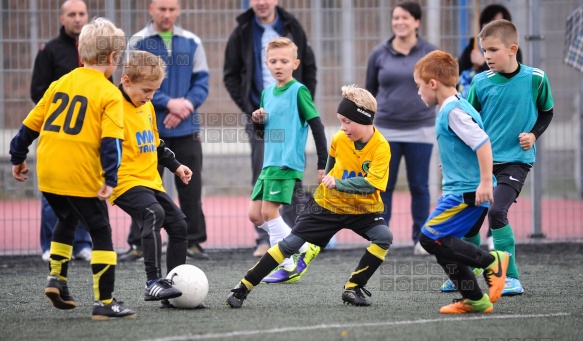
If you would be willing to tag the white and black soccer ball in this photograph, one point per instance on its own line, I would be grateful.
(192, 282)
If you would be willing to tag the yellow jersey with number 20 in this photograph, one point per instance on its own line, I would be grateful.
(75, 113)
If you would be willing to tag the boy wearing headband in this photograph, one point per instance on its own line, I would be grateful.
(348, 197)
(286, 112)
(468, 185)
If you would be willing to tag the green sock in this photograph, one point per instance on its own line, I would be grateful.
(504, 241)
(474, 240)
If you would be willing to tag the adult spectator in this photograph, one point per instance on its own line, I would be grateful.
(55, 59)
(245, 75)
(182, 92)
(402, 117)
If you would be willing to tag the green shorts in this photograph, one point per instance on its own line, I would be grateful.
(274, 190)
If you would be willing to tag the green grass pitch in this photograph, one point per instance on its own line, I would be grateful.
(405, 306)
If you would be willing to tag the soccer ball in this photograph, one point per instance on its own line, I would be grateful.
(192, 282)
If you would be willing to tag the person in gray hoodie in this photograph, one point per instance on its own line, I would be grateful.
(404, 120)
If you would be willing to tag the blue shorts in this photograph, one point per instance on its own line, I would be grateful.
(453, 217)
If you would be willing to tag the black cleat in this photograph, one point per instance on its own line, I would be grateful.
(355, 296)
(114, 310)
(159, 290)
(58, 292)
(237, 296)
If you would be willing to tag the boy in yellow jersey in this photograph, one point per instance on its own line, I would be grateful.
(468, 185)
(348, 197)
(79, 122)
(286, 112)
(139, 190)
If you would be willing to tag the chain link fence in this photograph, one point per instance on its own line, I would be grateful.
(342, 34)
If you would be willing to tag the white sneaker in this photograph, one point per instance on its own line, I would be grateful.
(418, 250)
(490, 243)
(46, 255)
(84, 254)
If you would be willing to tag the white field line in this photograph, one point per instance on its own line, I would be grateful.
(349, 325)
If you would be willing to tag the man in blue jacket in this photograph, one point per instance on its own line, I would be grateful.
(183, 90)
(245, 76)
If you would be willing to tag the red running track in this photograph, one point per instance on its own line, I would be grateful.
(228, 226)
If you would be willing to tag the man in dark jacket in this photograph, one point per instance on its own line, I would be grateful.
(245, 76)
(55, 59)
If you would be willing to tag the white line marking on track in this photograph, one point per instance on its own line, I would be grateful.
(349, 325)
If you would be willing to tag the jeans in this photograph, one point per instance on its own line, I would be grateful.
(417, 160)
(47, 225)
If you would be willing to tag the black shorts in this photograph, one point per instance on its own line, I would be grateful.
(512, 174)
(318, 225)
(138, 198)
(92, 212)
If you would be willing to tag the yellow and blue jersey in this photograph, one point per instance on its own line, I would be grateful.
(74, 115)
(139, 163)
(370, 163)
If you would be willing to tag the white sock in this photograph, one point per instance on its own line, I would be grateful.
(264, 227)
(278, 230)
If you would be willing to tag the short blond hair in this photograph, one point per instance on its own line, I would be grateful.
(361, 97)
(98, 39)
(438, 65)
(143, 66)
(501, 29)
(282, 42)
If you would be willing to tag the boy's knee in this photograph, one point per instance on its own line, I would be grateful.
(153, 217)
(176, 230)
(428, 244)
(381, 235)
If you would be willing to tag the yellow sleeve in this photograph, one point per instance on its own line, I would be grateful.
(112, 118)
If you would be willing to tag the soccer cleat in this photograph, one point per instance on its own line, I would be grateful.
(84, 254)
(165, 304)
(159, 290)
(237, 296)
(281, 275)
(132, 255)
(195, 251)
(305, 258)
(448, 285)
(114, 310)
(495, 274)
(58, 292)
(512, 287)
(465, 306)
(355, 296)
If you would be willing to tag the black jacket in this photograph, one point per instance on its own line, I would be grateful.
(54, 59)
(238, 70)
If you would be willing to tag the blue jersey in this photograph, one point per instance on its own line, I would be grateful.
(460, 167)
(286, 132)
(509, 107)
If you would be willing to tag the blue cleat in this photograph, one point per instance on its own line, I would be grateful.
(512, 287)
(448, 285)
(281, 275)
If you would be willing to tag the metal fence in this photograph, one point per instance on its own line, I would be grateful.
(342, 34)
